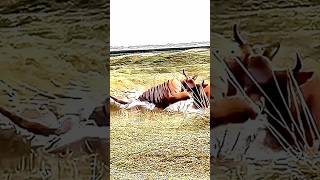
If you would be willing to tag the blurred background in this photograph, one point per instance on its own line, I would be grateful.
(53, 57)
(296, 25)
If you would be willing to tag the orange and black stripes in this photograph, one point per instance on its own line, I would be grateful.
(156, 94)
(165, 94)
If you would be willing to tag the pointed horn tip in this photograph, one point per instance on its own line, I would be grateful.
(235, 28)
(298, 62)
(237, 36)
(298, 55)
(184, 73)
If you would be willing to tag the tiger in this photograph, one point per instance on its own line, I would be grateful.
(168, 92)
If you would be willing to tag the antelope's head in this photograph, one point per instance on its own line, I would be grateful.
(189, 82)
(251, 56)
(262, 72)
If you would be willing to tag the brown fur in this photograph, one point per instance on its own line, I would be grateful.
(207, 91)
(165, 94)
(231, 110)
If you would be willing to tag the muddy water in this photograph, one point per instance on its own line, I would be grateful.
(52, 54)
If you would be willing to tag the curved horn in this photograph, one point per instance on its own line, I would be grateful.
(298, 64)
(184, 73)
(237, 36)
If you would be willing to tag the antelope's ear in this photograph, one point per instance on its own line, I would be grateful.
(271, 50)
(204, 85)
(303, 77)
(195, 77)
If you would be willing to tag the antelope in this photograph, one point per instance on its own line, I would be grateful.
(255, 76)
(310, 88)
(198, 102)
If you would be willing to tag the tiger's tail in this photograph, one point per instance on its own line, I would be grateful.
(118, 100)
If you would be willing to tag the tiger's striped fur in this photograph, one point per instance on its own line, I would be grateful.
(165, 94)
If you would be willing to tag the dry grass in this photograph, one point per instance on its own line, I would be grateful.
(158, 144)
(61, 51)
(41, 165)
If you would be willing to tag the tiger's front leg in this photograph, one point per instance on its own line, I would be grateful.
(232, 110)
(179, 96)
